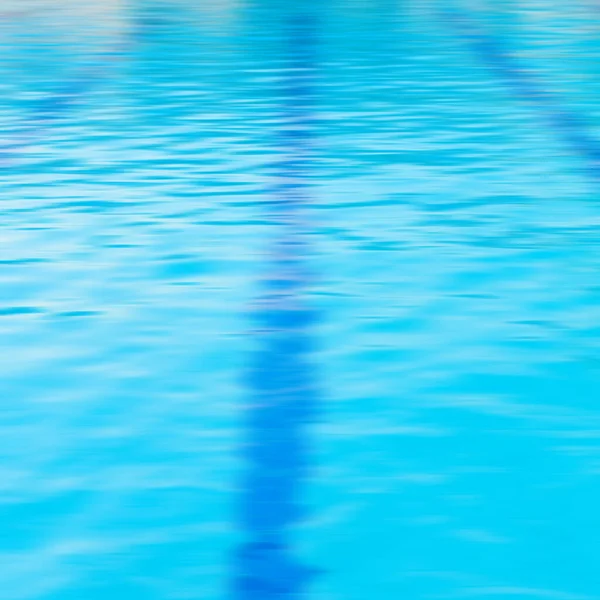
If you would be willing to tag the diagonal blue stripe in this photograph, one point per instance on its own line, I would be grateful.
(524, 84)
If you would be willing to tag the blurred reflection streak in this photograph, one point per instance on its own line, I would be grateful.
(281, 378)
(525, 84)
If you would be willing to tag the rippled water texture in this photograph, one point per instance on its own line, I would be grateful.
(299, 300)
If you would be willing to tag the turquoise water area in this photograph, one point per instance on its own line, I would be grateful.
(437, 240)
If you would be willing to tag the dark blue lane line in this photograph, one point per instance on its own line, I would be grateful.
(283, 387)
(524, 84)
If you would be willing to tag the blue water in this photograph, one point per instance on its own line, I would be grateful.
(302, 310)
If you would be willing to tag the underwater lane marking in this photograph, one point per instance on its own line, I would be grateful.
(526, 85)
(282, 382)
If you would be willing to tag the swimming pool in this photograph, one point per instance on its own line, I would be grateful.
(281, 323)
